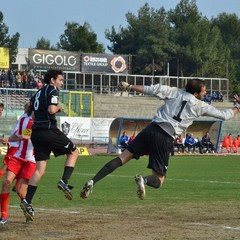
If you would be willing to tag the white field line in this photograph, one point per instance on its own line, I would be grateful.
(66, 211)
(216, 226)
(167, 179)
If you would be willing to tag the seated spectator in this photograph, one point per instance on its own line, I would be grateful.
(179, 143)
(236, 144)
(206, 142)
(220, 97)
(124, 140)
(214, 96)
(207, 99)
(190, 143)
(131, 138)
(227, 142)
(200, 145)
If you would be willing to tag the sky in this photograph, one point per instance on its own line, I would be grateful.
(46, 18)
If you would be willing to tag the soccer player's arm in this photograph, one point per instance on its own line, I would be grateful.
(54, 105)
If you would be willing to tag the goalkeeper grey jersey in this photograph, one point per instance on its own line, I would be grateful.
(181, 108)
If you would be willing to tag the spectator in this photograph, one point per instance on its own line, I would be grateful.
(200, 145)
(39, 84)
(190, 143)
(18, 80)
(24, 80)
(1, 109)
(207, 99)
(124, 140)
(10, 77)
(3, 81)
(179, 143)
(220, 97)
(132, 138)
(227, 142)
(236, 144)
(214, 96)
(206, 142)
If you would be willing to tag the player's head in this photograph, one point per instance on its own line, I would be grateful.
(197, 87)
(51, 74)
(54, 77)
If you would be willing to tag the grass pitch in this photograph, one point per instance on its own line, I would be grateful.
(199, 200)
(190, 179)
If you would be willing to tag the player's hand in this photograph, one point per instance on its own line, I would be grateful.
(60, 107)
(5, 141)
(124, 86)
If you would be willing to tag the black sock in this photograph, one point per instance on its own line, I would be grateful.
(67, 173)
(30, 193)
(152, 181)
(107, 169)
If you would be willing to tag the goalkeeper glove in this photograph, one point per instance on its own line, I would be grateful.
(124, 86)
(236, 98)
(237, 105)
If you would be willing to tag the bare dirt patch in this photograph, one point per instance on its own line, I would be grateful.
(215, 221)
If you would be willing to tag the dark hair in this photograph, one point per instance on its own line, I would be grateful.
(51, 73)
(195, 85)
(30, 106)
(1, 105)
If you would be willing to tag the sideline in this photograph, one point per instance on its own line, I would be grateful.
(215, 226)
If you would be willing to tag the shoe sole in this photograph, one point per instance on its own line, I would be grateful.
(27, 215)
(84, 193)
(67, 194)
(140, 189)
(4, 224)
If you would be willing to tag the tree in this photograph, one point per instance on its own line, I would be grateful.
(229, 25)
(145, 38)
(7, 41)
(44, 44)
(79, 38)
(199, 47)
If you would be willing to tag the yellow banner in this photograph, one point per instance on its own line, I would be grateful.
(3, 150)
(83, 151)
(4, 57)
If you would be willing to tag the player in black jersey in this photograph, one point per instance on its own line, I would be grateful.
(47, 138)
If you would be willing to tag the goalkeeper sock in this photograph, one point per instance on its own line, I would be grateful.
(107, 169)
(152, 181)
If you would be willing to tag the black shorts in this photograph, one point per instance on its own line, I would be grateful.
(50, 140)
(156, 143)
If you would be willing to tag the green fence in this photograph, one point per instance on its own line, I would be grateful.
(74, 103)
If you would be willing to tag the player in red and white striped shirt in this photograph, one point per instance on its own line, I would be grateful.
(21, 166)
(12, 146)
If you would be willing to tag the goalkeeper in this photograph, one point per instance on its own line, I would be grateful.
(171, 119)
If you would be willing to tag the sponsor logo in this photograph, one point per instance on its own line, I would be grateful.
(118, 64)
(67, 145)
(26, 134)
(83, 151)
(59, 60)
(54, 99)
(95, 61)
